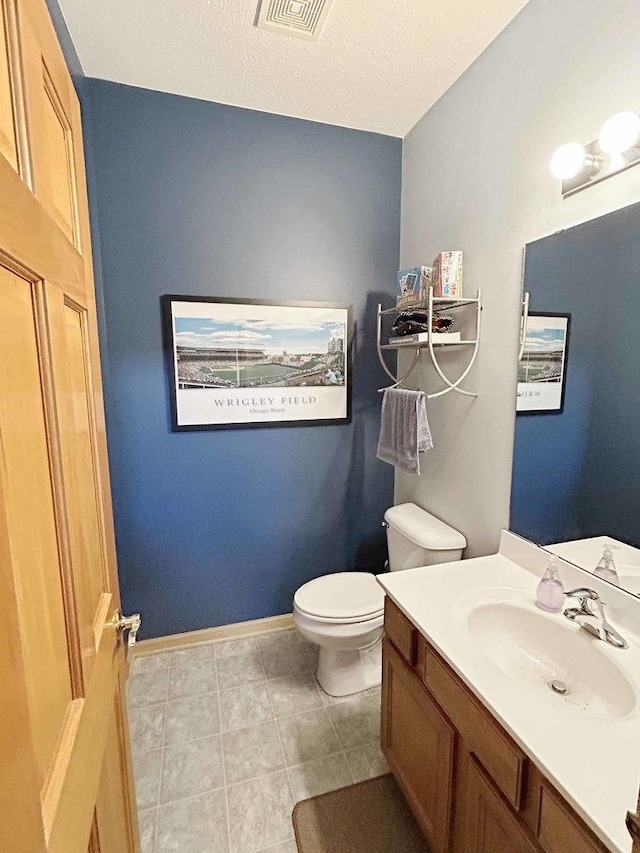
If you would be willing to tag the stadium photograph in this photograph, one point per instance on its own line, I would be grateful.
(254, 353)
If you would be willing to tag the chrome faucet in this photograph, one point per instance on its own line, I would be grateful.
(593, 621)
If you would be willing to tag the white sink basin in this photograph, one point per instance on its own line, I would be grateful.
(535, 649)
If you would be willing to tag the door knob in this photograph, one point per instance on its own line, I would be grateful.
(127, 623)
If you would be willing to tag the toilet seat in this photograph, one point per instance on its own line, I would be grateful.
(341, 597)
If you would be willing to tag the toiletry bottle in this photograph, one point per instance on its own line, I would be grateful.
(550, 592)
(606, 568)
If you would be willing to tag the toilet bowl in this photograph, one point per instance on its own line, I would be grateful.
(343, 613)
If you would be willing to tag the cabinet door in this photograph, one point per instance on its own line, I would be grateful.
(490, 825)
(418, 742)
(559, 828)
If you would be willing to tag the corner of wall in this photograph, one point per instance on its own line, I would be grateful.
(83, 89)
(66, 42)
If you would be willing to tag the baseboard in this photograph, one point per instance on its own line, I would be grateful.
(211, 635)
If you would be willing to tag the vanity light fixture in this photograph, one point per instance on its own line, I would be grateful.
(571, 159)
(619, 133)
(617, 148)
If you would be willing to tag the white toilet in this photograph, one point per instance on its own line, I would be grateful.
(343, 613)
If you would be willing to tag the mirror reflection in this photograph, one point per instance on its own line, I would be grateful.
(576, 473)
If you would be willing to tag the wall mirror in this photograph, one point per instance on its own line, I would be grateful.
(576, 473)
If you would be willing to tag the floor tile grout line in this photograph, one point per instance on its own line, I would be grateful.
(309, 667)
(154, 837)
(344, 754)
(284, 757)
(192, 696)
(227, 786)
(286, 766)
(273, 711)
(224, 771)
(159, 789)
(222, 731)
(187, 649)
(171, 662)
(220, 788)
(274, 718)
(273, 846)
(164, 723)
(204, 793)
(216, 644)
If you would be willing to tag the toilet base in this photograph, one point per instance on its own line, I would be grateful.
(341, 673)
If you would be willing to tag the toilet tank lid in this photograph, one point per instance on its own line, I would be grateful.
(424, 529)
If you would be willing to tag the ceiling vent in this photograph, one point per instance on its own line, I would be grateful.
(299, 18)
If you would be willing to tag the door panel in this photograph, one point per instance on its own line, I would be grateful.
(50, 100)
(70, 361)
(8, 138)
(31, 517)
(55, 178)
(65, 778)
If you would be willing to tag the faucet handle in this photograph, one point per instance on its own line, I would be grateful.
(583, 592)
(584, 596)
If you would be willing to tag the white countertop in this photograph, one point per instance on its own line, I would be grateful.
(594, 762)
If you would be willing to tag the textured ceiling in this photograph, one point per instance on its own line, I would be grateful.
(378, 65)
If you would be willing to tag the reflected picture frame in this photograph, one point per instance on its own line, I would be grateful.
(542, 370)
(240, 363)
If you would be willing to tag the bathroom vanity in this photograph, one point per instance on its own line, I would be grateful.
(488, 756)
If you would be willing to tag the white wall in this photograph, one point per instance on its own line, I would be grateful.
(476, 177)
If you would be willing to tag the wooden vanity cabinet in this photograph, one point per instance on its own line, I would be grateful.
(489, 824)
(470, 786)
(419, 742)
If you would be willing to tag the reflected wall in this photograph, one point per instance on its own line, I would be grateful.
(576, 474)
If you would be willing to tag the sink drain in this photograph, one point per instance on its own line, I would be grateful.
(558, 686)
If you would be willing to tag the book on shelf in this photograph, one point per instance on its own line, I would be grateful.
(423, 337)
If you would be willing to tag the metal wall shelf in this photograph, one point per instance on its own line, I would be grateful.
(425, 344)
(432, 305)
(446, 302)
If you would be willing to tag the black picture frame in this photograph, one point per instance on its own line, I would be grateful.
(221, 356)
(544, 394)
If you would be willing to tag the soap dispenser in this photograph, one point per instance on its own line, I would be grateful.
(550, 592)
(606, 568)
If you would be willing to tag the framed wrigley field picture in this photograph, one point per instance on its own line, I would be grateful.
(256, 363)
(542, 371)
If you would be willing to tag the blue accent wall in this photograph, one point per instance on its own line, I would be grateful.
(577, 474)
(191, 197)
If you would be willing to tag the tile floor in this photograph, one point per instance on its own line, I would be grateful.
(228, 736)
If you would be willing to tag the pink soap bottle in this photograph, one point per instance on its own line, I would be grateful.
(550, 592)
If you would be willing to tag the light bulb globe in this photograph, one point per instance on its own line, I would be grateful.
(567, 160)
(616, 162)
(619, 133)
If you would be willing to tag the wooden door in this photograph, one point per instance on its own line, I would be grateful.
(65, 781)
(418, 742)
(490, 825)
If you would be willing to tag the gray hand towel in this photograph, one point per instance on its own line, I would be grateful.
(404, 429)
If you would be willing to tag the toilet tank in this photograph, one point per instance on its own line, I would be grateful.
(417, 538)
